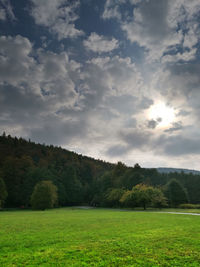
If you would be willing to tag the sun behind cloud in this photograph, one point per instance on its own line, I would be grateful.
(161, 113)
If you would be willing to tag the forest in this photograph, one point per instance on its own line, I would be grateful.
(82, 180)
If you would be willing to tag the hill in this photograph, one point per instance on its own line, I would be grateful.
(79, 179)
(171, 170)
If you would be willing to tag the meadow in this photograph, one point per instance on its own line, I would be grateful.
(98, 237)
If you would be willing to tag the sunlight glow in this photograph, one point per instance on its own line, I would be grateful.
(162, 113)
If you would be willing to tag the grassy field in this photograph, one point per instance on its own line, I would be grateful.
(98, 237)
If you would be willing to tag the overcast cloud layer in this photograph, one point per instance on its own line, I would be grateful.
(85, 75)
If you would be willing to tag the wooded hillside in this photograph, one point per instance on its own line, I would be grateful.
(79, 179)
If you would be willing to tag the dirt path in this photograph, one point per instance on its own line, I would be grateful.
(169, 212)
(176, 212)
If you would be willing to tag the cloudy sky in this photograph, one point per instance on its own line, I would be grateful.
(115, 80)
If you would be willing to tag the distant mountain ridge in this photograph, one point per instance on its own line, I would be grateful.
(169, 170)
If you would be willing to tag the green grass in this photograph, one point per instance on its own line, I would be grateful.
(98, 237)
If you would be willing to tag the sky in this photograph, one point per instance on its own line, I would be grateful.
(114, 80)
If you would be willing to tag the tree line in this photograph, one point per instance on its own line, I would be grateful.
(27, 167)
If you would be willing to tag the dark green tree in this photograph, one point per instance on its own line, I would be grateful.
(44, 195)
(176, 193)
(3, 192)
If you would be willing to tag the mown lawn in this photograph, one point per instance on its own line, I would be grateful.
(98, 237)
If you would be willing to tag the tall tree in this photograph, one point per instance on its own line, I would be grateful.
(176, 193)
(3, 192)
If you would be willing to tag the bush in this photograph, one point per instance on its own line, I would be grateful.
(189, 206)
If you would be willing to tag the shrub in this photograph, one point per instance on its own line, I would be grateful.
(189, 206)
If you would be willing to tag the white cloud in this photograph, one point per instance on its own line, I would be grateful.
(111, 9)
(16, 62)
(100, 44)
(6, 11)
(52, 93)
(48, 77)
(149, 28)
(58, 16)
(2, 14)
(191, 37)
(185, 56)
(158, 25)
(121, 75)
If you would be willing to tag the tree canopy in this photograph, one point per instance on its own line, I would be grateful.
(143, 195)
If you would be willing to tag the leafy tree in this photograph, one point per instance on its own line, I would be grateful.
(128, 199)
(3, 192)
(113, 196)
(159, 200)
(33, 176)
(143, 195)
(44, 195)
(176, 193)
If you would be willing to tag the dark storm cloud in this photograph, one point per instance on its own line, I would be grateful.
(117, 150)
(55, 130)
(178, 145)
(175, 127)
(190, 69)
(35, 116)
(135, 138)
(128, 140)
(20, 103)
